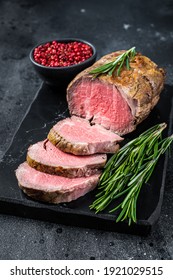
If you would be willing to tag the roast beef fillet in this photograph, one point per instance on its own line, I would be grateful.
(52, 188)
(75, 135)
(118, 103)
(45, 157)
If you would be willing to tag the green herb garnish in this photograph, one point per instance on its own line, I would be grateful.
(127, 171)
(119, 62)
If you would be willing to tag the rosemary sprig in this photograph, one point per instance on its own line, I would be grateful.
(119, 62)
(127, 171)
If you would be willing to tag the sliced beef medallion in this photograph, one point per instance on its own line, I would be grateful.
(45, 157)
(76, 135)
(117, 103)
(52, 188)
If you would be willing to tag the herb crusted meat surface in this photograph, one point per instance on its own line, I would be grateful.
(118, 103)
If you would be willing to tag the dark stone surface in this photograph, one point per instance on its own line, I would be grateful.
(109, 25)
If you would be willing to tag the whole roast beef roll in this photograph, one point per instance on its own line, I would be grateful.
(118, 103)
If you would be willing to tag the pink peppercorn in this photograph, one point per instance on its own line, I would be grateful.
(56, 54)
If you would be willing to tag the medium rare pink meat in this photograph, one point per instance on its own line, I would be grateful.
(45, 157)
(76, 135)
(102, 103)
(51, 188)
(118, 103)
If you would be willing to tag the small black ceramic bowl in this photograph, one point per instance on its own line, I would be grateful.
(61, 76)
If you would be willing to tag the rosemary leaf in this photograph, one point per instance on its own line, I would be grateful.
(128, 170)
(127, 64)
(120, 61)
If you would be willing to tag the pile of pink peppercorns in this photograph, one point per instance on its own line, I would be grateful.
(57, 54)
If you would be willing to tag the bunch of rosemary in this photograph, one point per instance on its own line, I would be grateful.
(122, 59)
(127, 171)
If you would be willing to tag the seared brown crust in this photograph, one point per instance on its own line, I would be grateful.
(76, 149)
(52, 197)
(70, 172)
(49, 197)
(142, 84)
(65, 146)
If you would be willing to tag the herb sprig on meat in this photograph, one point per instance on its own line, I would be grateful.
(117, 64)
